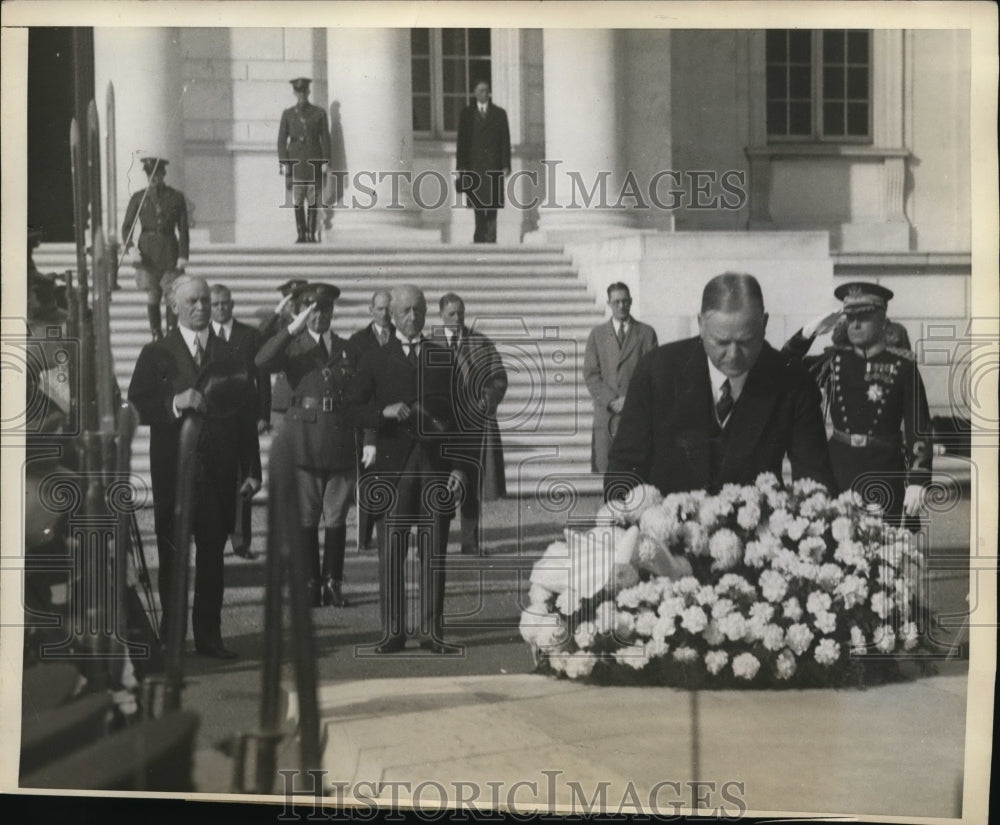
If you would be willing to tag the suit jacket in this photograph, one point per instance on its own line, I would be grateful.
(386, 376)
(228, 451)
(365, 339)
(607, 370)
(322, 438)
(245, 341)
(482, 147)
(669, 438)
(164, 227)
(482, 378)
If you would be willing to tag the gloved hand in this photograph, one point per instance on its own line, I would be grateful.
(913, 499)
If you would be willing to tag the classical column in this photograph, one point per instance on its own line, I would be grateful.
(583, 134)
(146, 68)
(368, 73)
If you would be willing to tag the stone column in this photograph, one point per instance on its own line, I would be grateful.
(583, 134)
(146, 67)
(368, 73)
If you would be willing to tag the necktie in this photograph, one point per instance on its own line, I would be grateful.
(324, 350)
(724, 405)
(222, 334)
(383, 336)
(413, 356)
(621, 335)
(454, 343)
(199, 352)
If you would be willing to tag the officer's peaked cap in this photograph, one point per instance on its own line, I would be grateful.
(291, 285)
(860, 296)
(149, 164)
(317, 293)
(300, 84)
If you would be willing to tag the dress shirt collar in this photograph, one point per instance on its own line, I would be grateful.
(228, 327)
(406, 341)
(718, 378)
(482, 107)
(316, 336)
(379, 331)
(619, 324)
(189, 336)
(451, 332)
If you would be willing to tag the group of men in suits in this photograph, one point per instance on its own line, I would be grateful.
(416, 412)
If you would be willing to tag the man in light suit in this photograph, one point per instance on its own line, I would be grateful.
(719, 408)
(376, 334)
(483, 159)
(613, 351)
(164, 387)
(403, 399)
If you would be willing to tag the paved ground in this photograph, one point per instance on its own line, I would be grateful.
(484, 715)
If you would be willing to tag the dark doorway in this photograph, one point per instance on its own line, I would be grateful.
(60, 74)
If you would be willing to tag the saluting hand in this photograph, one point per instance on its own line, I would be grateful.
(821, 324)
(299, 321)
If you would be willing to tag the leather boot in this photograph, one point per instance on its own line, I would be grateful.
(300, 223)
(153, 311)
(311, 223)
(334, 544)
(310, 559)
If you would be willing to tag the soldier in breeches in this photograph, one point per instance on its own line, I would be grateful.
(319, 365)
(303, 151)
(163, 241)
(878, 407)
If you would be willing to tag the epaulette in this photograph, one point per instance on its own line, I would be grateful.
(902, 353)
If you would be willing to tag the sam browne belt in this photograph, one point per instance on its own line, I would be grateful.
(863, 439)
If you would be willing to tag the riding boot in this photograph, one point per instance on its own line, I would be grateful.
(310, 562)
(311, 223)
(334, 543)
(153, 311)
(300, 223)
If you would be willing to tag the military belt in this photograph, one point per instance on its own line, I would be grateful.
(326, 404)
(862, 440)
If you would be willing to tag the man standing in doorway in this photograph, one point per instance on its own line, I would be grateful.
(613, 351)
(483, 159)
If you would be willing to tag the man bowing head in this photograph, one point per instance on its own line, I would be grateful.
(719, 408)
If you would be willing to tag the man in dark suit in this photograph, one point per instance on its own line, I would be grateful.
(722, 407)
(483, 159)
(403, 398)
(303, 151)
(613, 351)
(319, 366)
(376, 334)
(164, 387)
(244, 341)
(482, 386)
(163, 241)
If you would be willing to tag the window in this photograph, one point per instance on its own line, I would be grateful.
(819, 85)
(445, 64)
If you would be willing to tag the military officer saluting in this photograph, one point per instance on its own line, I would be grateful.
(878, 406)
(303, 151)
(163, 242)
(318, 365)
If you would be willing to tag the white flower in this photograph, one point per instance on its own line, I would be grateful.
(551, 571)
(585, 634)
(568, 603)
(773, 585)
(884, 638)
(812, 549)
(791, 609)
(778, 522)
(693, 619)
(533, 624)
(633, 655)
(785, 665)
(840, 528)
(881, 604)
(807, 486)
(558, 661)
(630, 509)
(685, 654)
(721, 608)
(762, 610)
(799, 637)
(671, 607)
(797, 528)
(604, 620)
(715, 660)
(910, 636)
(658, 524)
(818, 602)
(745, 666)
(756, 625)
(706, 595)
(853, 590)
(645, 622)
(664, 627)
(656, 648)
(817, 527)
(579, 665)
(538, 596)
(851, 553)
(726, 549)
(826, 621)
(859, 643)
(624, 624)
(688, 586)
(748, 516)
(713, 633)
(734, 626)
(774, 637)
(830, 575)
(694, 538)
(735, 584)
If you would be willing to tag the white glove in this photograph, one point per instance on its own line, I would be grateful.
(368, 455)
(821, 324)
(282, 303)
(299, 321)
(181, 264)
(913, 499)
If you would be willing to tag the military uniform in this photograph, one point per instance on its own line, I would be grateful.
(322, 438)
(881, 440)
(303, 148)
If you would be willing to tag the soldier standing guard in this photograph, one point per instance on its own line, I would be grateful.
(163, 242)
(318, 365)
(303, 151)
(878, 406)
